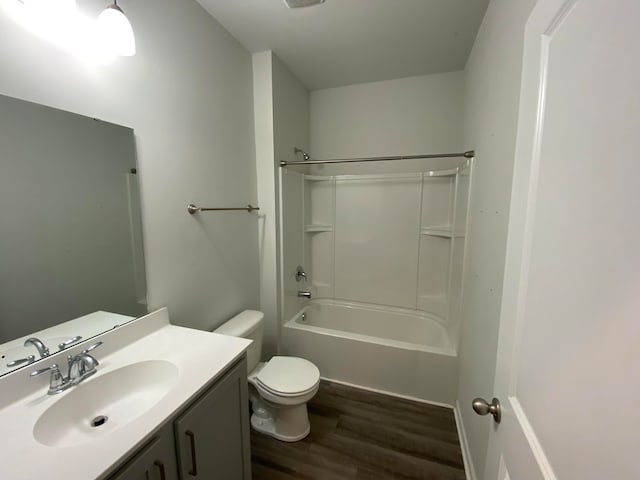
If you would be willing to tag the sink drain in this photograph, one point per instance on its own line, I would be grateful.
(99, 421)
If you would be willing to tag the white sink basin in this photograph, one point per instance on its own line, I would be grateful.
(118, 397)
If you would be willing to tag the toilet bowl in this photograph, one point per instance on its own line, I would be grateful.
(278, 389)
(283, 385)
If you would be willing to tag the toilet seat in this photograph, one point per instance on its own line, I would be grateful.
(288, 376)
(282, 395)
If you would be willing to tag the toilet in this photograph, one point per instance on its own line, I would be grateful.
(278, 389)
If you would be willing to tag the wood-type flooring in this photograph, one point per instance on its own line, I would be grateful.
(356, 434)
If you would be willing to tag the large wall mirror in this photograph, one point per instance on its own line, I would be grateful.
(71, 257)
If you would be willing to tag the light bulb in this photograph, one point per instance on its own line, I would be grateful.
(116, 31)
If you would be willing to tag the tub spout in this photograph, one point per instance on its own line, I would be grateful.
(304, 294)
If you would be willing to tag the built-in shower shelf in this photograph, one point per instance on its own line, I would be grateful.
(446, 232)
(436, 304)
(437, 231)
(318, 178)
(317, 228)
(442, 173)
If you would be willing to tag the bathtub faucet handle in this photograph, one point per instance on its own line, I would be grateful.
(300, 274)
(304, 294)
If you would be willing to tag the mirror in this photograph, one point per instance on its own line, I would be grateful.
(71, 257)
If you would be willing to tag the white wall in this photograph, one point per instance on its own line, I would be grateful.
(188, 95)
(406, 116)
(282, 123)
(291, 129)
(267, 198)
(492, 89)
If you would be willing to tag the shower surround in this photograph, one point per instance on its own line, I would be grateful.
(383, 250)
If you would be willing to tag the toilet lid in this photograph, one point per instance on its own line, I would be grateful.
(288, 375)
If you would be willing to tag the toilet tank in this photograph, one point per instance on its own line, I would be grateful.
(247, 324)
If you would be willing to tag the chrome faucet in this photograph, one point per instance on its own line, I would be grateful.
(81, 366)
(304, 294)
(43, 350)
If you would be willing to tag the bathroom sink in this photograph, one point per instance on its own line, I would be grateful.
(105, 403)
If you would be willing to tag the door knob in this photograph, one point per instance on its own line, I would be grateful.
(482, 407)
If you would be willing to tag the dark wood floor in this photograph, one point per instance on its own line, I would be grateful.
(357, 434)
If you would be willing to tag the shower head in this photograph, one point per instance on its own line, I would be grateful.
(305, 155)
(302, 3)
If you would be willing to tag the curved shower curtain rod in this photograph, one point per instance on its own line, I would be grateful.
(309, 161)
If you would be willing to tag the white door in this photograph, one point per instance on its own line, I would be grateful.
(568, 370)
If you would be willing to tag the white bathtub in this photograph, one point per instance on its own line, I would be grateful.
(405, 352)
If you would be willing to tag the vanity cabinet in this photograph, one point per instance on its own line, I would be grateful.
(207, 439)
(212, 436)
(155, 461)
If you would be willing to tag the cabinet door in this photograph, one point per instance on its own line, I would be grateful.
(156, 460)
(212, 436)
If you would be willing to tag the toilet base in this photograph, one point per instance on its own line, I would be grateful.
(268, 428)
(286, 423)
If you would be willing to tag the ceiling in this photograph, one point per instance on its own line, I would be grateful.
(343, 42)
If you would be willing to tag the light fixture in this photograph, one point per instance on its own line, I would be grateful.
(116, 31)
(54, 20)
(302, 3)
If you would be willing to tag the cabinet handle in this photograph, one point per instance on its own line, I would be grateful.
(192, 440)
(160, 465)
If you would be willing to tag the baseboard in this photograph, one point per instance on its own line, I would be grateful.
(464, 444)
(391, 394)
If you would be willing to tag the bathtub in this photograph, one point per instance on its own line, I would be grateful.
(395, 350)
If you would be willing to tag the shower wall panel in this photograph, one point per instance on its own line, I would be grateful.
(377, 239)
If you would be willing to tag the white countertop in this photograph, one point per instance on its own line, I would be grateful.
(201, 357)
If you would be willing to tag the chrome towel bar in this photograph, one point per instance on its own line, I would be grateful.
(191, 208)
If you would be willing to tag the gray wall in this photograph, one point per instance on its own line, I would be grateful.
(188, 95)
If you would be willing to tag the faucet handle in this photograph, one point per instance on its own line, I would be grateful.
(53, 368)
(69, 342)
(57, 382)
(92, 347)
(29, 359)
(82, 365)
(301, 274)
